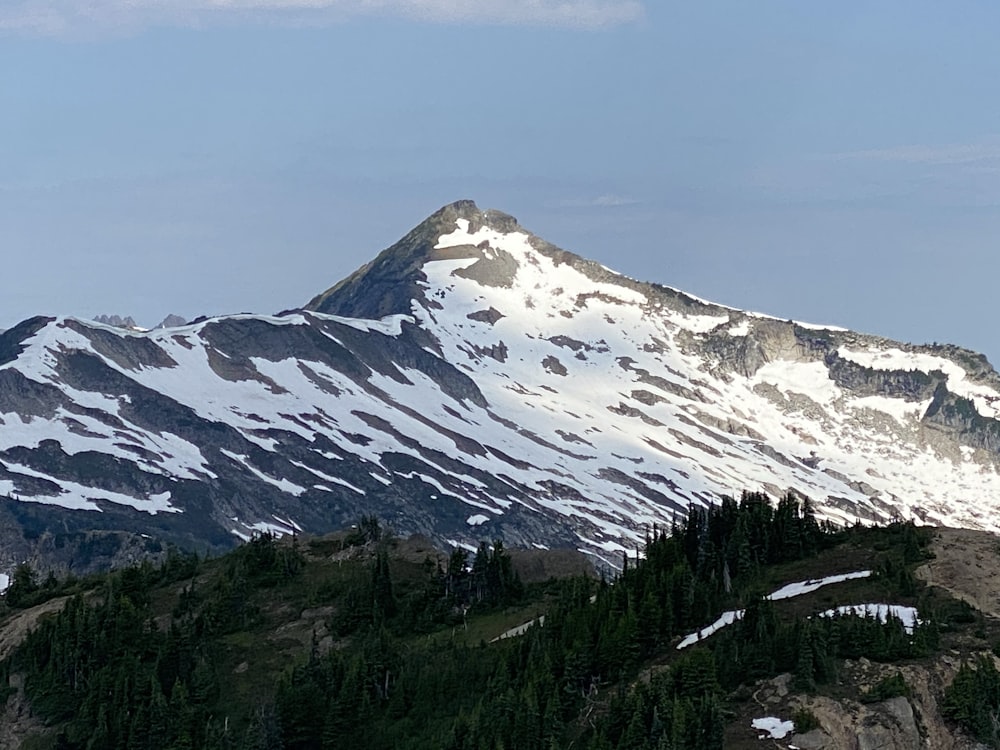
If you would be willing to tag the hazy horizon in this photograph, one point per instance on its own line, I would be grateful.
(809, 162)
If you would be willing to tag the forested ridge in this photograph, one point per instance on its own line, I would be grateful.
(190, 654)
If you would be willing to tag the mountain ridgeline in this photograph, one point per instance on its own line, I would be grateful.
(474, 382)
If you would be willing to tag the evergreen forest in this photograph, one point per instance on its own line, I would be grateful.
(345, 642)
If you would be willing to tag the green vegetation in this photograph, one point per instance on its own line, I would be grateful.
(890, 687)
(804, 721)
(344, 643)
(973, 700)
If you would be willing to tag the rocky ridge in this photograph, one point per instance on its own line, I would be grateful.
(475, 381)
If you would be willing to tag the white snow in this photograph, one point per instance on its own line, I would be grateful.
(75, 496)
(477, 520)
(635, 402)
(986, 399)
(807, 587)
(282, 484)
(897, 408)
(810, 379)
(390, 325)
(908, 615)
(4, 582)
(700, 323)
(280, 527)
(773, 727)
(329, 478)
(787, 591)
(817, 327)
(726, 618)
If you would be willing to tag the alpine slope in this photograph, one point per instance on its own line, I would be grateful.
(476, 382)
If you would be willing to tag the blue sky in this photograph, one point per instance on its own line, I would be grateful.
(829, 162)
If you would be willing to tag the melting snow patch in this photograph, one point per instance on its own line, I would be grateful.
(699, 323)
(742, 329)
(897, 408)
(785, 592)
(463, 545)
(908, 615)
(807, 587)
(477, 520)
(811, 379)
(727, 618)
(161, 502)
(4, 582)
(775, 728)
(266, 527)
(282, 484)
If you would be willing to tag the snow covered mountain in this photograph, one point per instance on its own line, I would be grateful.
(472, 382)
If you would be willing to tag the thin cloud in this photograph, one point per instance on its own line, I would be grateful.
(60, 17)
(955, 153)
(608, 200)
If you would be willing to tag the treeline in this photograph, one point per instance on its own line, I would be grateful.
(109, 674)
(104, 670)
(531, 692)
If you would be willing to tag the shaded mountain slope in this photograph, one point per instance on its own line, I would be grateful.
(475, 381)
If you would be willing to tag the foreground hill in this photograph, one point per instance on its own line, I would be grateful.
(363, 640)
(474, 381)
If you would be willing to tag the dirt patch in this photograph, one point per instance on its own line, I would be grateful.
(967, 565)
(537, 565)
(15, 628)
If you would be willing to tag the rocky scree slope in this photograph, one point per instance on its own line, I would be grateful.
(474, 381)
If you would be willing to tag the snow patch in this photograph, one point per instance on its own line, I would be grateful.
(807, 587)
(908, 615)
(699, 323)
(986, 399)
(726, 618)
(787, 591)
(810, 379)
(284, 485)
(773, 727)
(741, 329)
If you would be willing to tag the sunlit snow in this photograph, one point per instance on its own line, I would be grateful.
(908, 615)
(787, 591)
(597, 409)
(774, 728)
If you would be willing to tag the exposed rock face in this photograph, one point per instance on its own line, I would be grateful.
(899, 723)
(117, 321)
(473, 382)
(171, 321)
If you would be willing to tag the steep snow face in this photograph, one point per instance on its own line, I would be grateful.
(623, 390)
(526, 393)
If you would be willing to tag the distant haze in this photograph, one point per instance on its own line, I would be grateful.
(808, 160)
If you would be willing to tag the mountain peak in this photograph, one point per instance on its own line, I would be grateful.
(388, 284)
(510, 390)
(468, 210)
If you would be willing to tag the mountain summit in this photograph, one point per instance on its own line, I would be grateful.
(474, 381)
